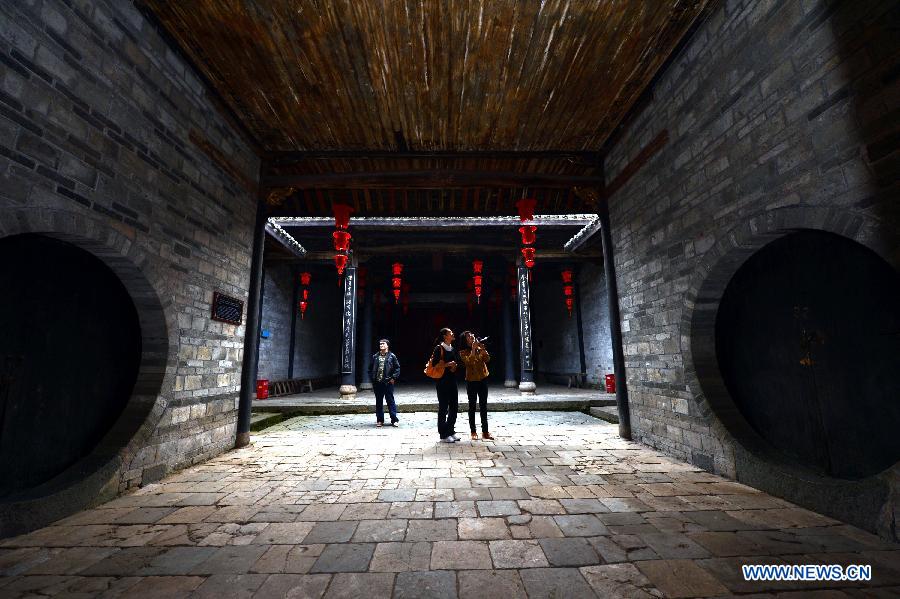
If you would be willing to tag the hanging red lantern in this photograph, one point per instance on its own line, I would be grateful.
(526, 209)
(567, 276)
(342, 215)
(305, 278)
(569, 304)
(396, 285)
(567, 291)
(341, 240)
(477, 266)
(305, 295)
(303, 305)
(528, 234)
(528, 255)
(397, 269)
(340, 261)
(478, 280)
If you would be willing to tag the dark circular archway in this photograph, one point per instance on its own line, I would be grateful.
(70, 354)
(807, 339)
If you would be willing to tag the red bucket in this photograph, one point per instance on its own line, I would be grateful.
(262, 389)
(610, 383)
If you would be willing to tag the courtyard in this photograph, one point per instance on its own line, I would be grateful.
(330, 506)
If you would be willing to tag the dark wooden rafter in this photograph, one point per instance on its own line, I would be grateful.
(428, 179)
(582, 157)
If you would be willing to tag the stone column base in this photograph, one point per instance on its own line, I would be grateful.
(510, 384)
(527, 388)
(365, 386)
(348, 391)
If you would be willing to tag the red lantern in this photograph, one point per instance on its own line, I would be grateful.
(395, 282)
(303, 306)
(569, 303)
(340, 261)
(305, 295)
(477, 266)
(567, 291)
(528, 234)
(396, 295)
(342, 215)
(528, 255)
(526, 209)
(397, 269)
(304, 278)
(567, 276)
(478, 293)
(341, 240)
(478, 280)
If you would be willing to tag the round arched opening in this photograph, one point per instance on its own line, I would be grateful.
(70, 352)
(808, 345)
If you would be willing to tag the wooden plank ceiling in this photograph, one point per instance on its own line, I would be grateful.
(482, 87)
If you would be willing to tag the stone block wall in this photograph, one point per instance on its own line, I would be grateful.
(780, 115)
(278, 297)
(595, 318)
(556, 334)
(105, 137)
(317, 341)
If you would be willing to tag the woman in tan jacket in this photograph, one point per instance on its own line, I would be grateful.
(475, 356)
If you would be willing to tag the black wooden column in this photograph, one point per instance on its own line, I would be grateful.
(365, 348)
(251, 330)
(295, 307)
(579, 326)
(526, 358)
(508, 351)
(615, 324)
(348, 334)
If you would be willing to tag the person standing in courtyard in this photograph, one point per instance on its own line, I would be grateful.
(475, 357)
(384, 371)
(447, 391)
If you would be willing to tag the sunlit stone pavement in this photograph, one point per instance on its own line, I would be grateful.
(331, 506)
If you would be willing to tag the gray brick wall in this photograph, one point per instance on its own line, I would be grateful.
(780, 115)
(98, 122)
(278, 296)
(318, 336)
(556, 335)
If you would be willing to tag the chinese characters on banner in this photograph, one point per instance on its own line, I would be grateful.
(349, 321)
(525, 319)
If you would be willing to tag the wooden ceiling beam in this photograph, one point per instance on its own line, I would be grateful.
(284, 158)
(427, 179)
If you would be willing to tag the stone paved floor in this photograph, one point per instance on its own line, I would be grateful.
(330, 506)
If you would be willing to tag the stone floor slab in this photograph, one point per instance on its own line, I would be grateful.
(460, 555)
(425, 585)
(499, 584)
(344, 557)
(551, 583)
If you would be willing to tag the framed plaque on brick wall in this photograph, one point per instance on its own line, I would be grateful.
(226, 308)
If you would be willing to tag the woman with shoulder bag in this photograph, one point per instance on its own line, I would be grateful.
(442, 367)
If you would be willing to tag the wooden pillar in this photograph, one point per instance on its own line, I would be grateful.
(526, 356)
(615, 325)
(294, 309)
(580, 327)
(251, 330)
(348, 334)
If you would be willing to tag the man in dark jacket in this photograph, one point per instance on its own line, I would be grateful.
(383, 371)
